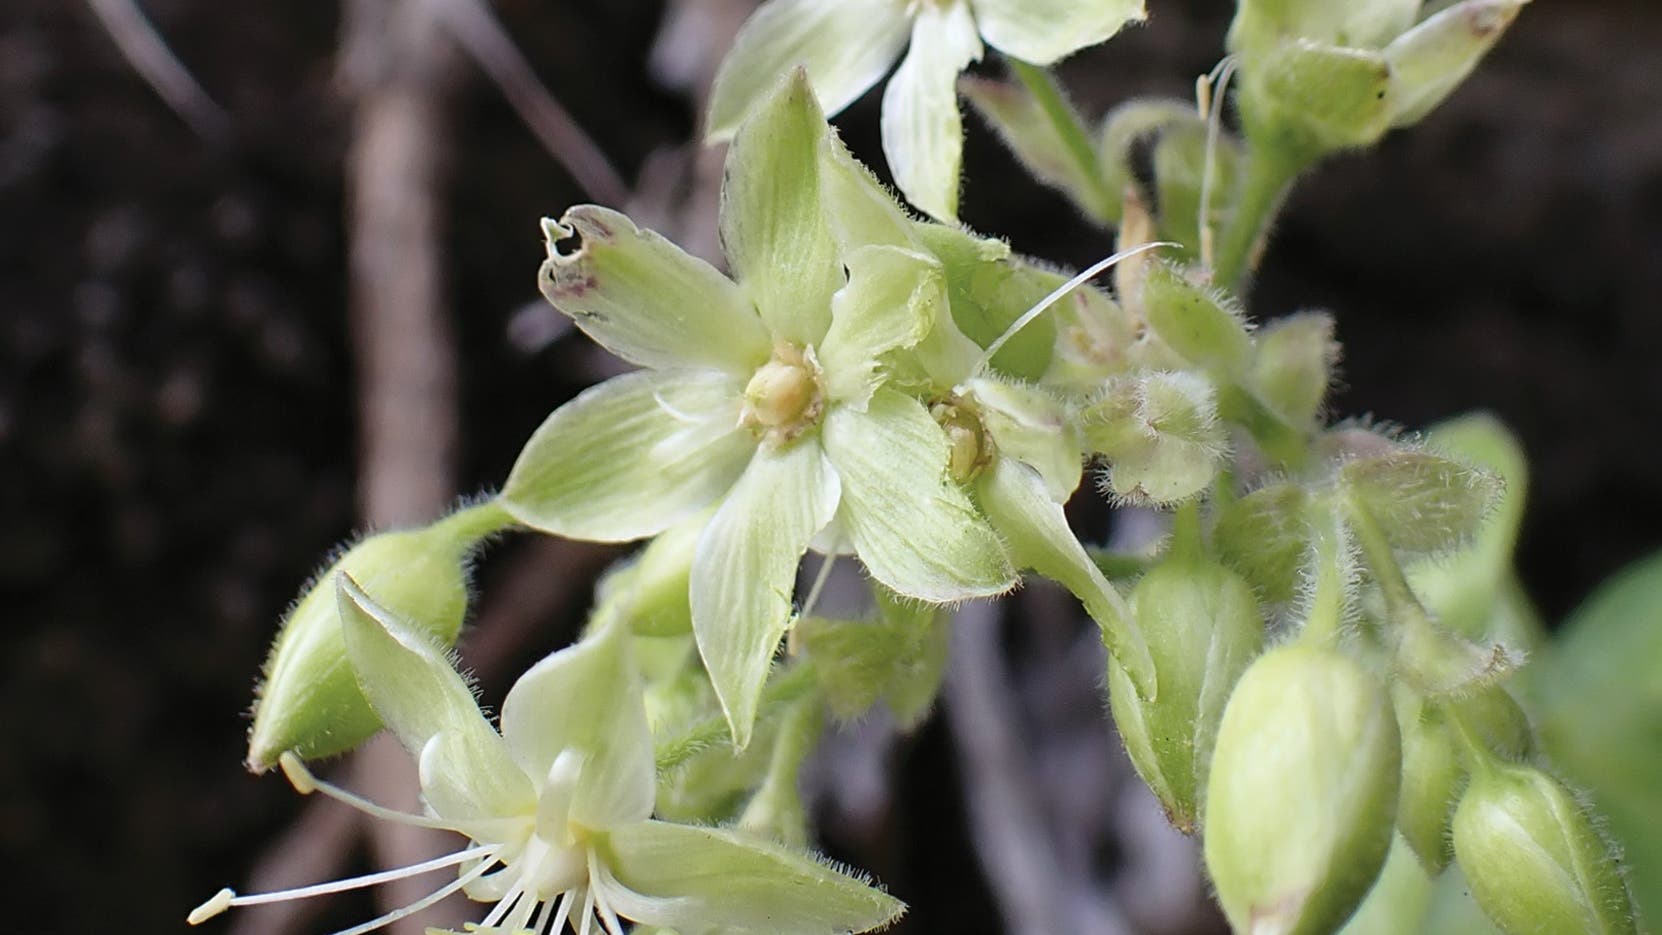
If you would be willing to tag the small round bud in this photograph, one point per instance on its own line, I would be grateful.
(1302, 794)
(1292, 365)
(310, 702)
(970, 448)
(783, 398)
(1304, 99)
(1202, 625)
(1160, 433)
(1533, 859)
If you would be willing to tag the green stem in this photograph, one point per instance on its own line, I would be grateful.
(1262, 192)
(1187, 544)
(1040, 83)
(1327, 595)
(1287, 446)
(472, 523)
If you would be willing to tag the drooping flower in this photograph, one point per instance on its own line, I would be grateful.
(765, 397)
(848, 45)
(557, 806)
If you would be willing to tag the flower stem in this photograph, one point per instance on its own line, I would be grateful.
(788, 685)
(475, 522)
(1263, 189)
(1040, 83)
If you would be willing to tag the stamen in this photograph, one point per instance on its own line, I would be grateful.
(540, 919)
(608, 918)
(588, 911)
(566, 899)
(503, 905)
(1060, 291)
(306, 782)
(1211, 108)
(226, 898)
(517, 921)
(419, 904)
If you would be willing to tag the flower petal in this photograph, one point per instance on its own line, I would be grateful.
(859, 208)
(744, 572)
(1036, 530)
(845, 45)
(1031, 426)
(700, 879)
(1042, 31)
(630, 457)
(586, 698)
(923, 136)
(773, 223)
(914, 529)
(644, 299)
(419, 695)
(891, 301)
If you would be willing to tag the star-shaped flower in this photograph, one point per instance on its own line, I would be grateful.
(558, 805)
(848, 45)
(765, 397)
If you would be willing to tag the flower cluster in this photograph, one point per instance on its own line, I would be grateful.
(1308, 672)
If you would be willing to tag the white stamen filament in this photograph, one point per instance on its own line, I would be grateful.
(419, 904)
(225, 899)
(1084, 276)
(1211, 108)
(504, 904)
(608, 918)
(306, 782)
(566, 899)
(588, 911)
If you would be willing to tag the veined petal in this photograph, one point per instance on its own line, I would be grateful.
(914, 529)
(773, 224)
(891, 301)
(845, 45)
(1042, 31)
(744, 572)
(700, 879)
(645, 299)
(587, 698)
(420, 696)
(1031, 426)
(1036, 530)
(923, 136)
(631, 457)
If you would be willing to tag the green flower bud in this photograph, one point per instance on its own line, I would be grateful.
(1202, 324)
(1534, 860)
(1292, 365)
(310, 702)
(1423, 502)
(1260, 25)
(1160, 433)
(1264, 535)
(1302, 795)
(1306, 99)
(1431, 775)
(1203, 628)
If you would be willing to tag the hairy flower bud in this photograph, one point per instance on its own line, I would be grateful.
(1292, 365)
(310, 702)
(1305, 99)
(1160, 433)
(1202, 625)
(1201, 324)
(1302, 793)
(1533, 859)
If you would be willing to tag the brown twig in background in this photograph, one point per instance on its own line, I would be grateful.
(149, 55)
(479, 33)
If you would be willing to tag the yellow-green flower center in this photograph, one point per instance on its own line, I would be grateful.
(784, 397)
(970, 447)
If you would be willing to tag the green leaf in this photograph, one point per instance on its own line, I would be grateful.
(698, 879)
(586, 699)
(745, 571)
(1043, 31)
(1423, 502)
(1429, 61)
(631, 457)
(644, 299)
(845, 45)
(773, 224)
(1036, 531)
(892, 299)
(923, 136)
(914, 529)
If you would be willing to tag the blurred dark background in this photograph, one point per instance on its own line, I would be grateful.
(181, 419)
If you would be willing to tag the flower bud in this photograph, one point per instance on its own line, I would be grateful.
(1202, 626)
(310, 702)
(1431, 774)
(1423, 502)
(1160, 433)
(1302, 794)
(1199, 323)
(1264, 536)
(1305, 99)
(1533, 859)
(1292, 365)
(1260, 25)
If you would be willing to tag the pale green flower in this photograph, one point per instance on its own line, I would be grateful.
(765, 396)
(849, 45)
(558, 805)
